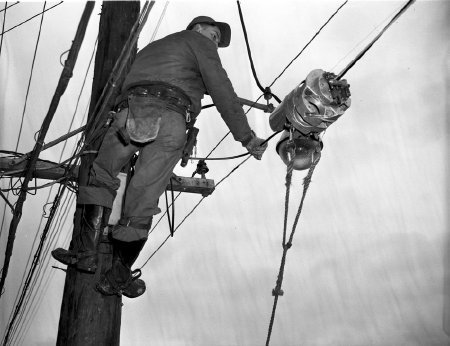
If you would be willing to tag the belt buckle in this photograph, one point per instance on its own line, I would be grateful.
(188, 114)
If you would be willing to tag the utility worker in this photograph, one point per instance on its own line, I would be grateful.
(161, 95)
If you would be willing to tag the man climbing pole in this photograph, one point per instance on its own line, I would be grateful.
(161, 96)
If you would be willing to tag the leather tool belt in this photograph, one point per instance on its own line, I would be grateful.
(144, 116)
(174, 97)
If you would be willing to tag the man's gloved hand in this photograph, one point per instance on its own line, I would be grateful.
(256, 147)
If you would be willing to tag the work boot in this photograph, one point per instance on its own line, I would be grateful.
(85, 258)
(120, 279)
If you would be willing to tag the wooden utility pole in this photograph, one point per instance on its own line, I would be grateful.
(87, 317)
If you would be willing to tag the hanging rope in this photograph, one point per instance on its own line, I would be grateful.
(277, 291)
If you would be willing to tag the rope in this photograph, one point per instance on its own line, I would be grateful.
(277, 291)
(48, 9)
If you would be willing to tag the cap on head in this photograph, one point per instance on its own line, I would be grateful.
(225, 31)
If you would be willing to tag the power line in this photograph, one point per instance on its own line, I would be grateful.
(301, 51)
(375, 29)
(27, 290)
(61, 87)
(3, 27)
(48, 9)
(34, 295)
(31, 76)
(6, 7)
(192, 210)
(366, 49)
(277, 291)
(266, 91)
(35, 260)
(61, 154)
(161, 17)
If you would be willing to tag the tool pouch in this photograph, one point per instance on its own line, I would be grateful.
(144, 118)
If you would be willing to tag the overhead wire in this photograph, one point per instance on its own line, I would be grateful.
(27, 20)
(371, 43)
(53, 210)
(192, 211)
(247, 158)
(223, 138)
(31, 76)
(6, 7)
(3, 27)
(62, 84)
(38, 254)
(56, 226)
(8, 203)
(364, 39)
(161, 17)
(142, 19)
(26, 98)
(266, 91)
(309, 42)
(30, 289)
(60, 89)
(235, 156)
(38, 288)
(277, 291)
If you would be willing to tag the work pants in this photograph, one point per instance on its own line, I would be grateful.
(153, 169)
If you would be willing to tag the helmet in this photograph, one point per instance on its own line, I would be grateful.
(225, 31)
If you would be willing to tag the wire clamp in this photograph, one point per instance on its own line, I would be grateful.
(267, 93)
(277, 291)
(202, 168)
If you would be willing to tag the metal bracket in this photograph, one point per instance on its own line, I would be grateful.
(202, 186)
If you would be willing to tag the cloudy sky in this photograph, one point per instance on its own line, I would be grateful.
(369, 262)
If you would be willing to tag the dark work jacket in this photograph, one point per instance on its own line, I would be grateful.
(190, 61)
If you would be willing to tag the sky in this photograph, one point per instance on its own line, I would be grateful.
(369, 261)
